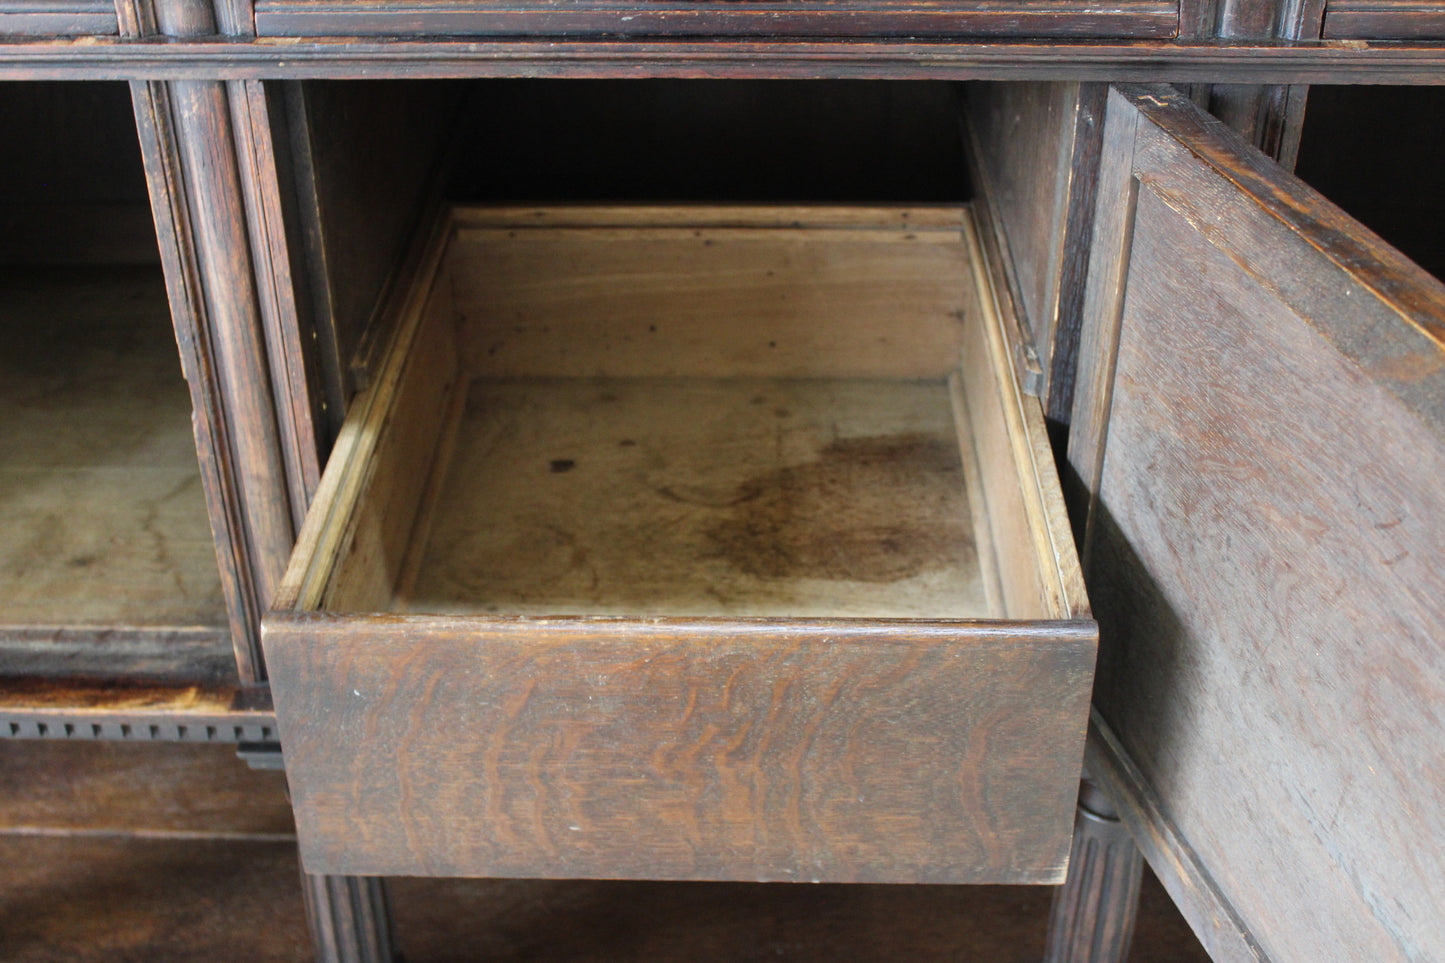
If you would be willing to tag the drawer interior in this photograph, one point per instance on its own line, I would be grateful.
(705, 534)
(701, 496)
(655, 518)
(107, 566)
(692, 411)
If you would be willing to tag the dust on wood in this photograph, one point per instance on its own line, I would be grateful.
(697, 496)
(102, 517)
(784, 522)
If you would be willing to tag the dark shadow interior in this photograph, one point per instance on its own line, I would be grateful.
(1378, 152)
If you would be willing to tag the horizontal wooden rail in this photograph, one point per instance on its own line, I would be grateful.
(1337, 62)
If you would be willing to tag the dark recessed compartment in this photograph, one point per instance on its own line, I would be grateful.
(110, 592)
(690, 520)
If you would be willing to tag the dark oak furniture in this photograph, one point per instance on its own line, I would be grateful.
(1247, 384)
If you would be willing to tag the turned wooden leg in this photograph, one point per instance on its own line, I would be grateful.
(350, 918)
(1093, 914)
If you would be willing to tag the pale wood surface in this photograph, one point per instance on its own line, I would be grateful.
(1266, 543)
(102, 517)
(740, 292)
(703, 497)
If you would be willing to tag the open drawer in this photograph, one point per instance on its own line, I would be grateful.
(691, 543)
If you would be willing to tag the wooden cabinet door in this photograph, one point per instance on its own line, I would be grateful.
(1260, 428)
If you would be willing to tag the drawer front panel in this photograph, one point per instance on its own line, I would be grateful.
(966, 18)
(767, 750)
(1384, 20)
(58, 18)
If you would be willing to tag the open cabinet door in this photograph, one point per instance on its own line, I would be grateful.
(1260, 430)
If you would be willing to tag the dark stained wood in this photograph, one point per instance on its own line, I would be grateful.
(149, 791)
(1220, 929)
(189, 314)
(358, 209)
(1265, 538)
(675, 749)
(289, 351)
(206, 150)
(214, 193)
(1035, 151)
(120, 652)
(349, 917)
(58, 18)
(1385, 19)
(359, 58)
(1269, 116)
(1094, 911)
(958, 18)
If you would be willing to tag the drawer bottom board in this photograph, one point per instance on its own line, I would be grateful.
(701, 497)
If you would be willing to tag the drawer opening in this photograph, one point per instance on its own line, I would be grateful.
(107, 567)
(694, 411)
(688, 537)
(741, 417)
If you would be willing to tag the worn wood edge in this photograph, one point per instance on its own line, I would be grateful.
(729, 234)
(977, 498)
(1201, 61)
(1019, 333)
(170, 209)
(341, 629)
(1215, 921)
(1103, 309)
(347, 470)
(1078, 240)
(1065, 595)
(261, 194)
(1374, 266)
(881, 217)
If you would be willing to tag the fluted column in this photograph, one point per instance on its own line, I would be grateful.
(1093, 914)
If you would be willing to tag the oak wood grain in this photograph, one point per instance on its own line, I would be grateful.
(1265, 531)
(776, 749)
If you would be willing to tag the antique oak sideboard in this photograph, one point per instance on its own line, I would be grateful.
(563, 531)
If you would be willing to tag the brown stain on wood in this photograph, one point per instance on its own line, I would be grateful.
(803, 521)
